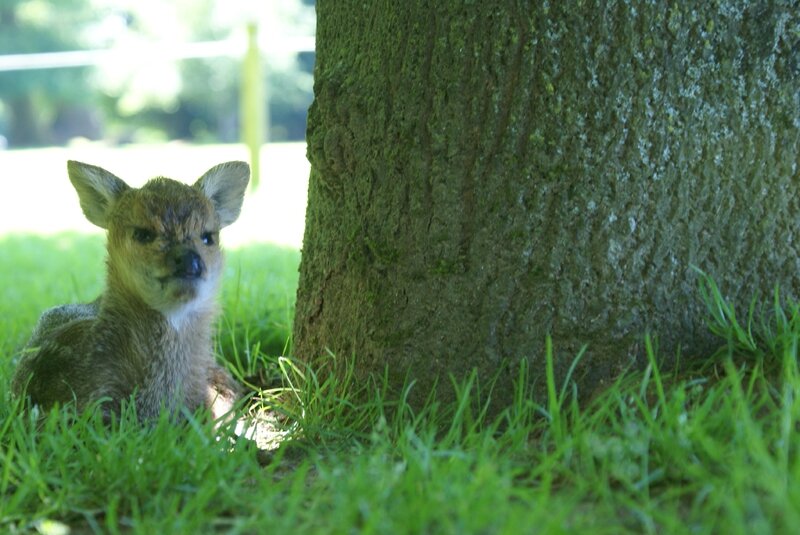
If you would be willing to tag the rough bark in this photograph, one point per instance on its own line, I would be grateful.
(486, 173)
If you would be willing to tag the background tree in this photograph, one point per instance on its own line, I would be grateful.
(486, 173)
(147, 98)
(141, 96)
(30, 101)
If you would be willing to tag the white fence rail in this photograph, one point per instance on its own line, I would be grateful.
(254, 116)
(204, 49)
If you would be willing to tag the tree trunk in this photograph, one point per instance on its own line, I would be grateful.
(484, 174)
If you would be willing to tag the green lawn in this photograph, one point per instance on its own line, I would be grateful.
(711, 451)
(36, 195)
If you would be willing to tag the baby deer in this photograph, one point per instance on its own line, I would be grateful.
(149, 333)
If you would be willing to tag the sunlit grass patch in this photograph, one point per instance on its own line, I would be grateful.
(36, 196)
(40, 272)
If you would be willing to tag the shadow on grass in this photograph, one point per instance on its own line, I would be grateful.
(258, 298)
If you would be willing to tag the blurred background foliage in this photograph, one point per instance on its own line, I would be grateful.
(139, 96)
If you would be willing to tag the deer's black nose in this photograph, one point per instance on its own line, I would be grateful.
(188, 265)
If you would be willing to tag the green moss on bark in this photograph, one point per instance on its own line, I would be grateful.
(484, 175)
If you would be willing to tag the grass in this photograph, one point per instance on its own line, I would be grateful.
(37, 197)
(714, 450)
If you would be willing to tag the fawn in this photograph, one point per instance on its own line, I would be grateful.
(149, 333)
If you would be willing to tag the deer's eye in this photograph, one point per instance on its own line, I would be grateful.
(208, 238)
(143, 235)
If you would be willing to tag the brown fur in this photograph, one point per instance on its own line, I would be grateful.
(149, 333)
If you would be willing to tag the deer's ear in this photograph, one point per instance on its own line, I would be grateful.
(97, 190)
(224, 185)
